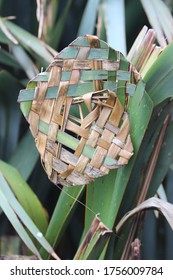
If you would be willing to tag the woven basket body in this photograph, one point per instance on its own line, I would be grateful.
(76, 112)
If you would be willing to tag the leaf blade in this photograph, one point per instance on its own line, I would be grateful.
(63, 210)
(158, 79)
(164, 207)
(115, 25)
(23, 161)
(28, 40)
(14, 220)
(88, 21)
(26, 220)
(25, 195)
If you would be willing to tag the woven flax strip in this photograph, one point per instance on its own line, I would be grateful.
(76, 111)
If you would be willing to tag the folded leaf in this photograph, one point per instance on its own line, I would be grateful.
(162, 206)
(94, 241)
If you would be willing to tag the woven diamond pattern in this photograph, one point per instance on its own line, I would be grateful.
(77, 112)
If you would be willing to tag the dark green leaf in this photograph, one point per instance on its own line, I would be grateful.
(11, 215)
(106, 193)
(159, 81)
(20, 212)
(23, 161)
(29, 41)
(25, 195)
(64, 208)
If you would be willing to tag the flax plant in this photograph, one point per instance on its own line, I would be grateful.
(114, 205)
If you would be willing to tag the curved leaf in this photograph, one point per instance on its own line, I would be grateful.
(28, 40)
(162, 206)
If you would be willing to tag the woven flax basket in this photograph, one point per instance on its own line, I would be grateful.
(76, 111)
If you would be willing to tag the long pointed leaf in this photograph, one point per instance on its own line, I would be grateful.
(25, 218)
(24, 61)
(164, 160)
(25, 195)
(105, 195)
(88, 21)
(115, 25)
(6, 207)
(64, 208)
(28, 40)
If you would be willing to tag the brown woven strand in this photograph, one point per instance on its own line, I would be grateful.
(105, 128)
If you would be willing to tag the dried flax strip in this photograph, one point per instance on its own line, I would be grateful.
(77, 114)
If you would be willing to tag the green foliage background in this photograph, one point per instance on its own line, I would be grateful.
(17, 146)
